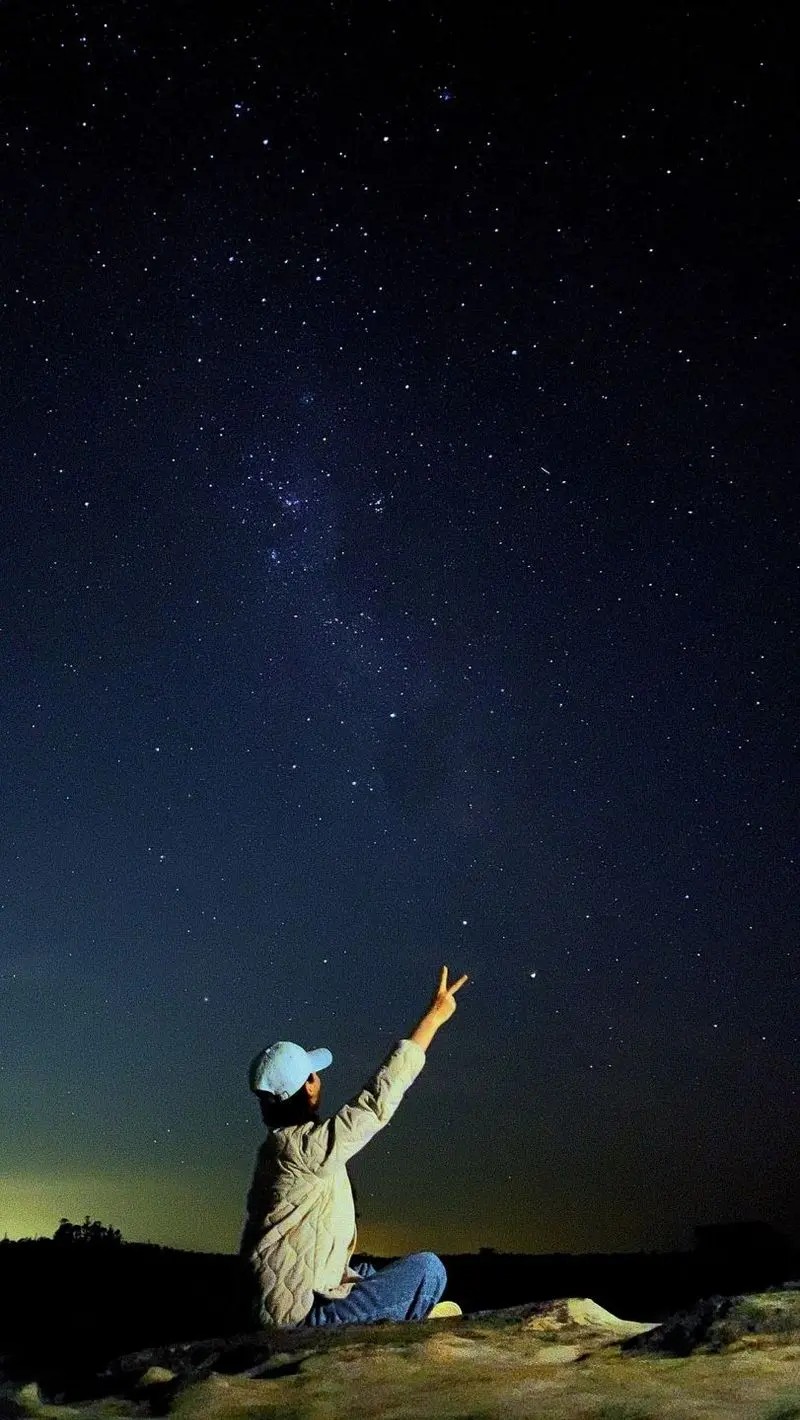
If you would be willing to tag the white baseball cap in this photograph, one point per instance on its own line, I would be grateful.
(281, 1069)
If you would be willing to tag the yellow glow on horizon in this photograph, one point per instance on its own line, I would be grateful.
(196, 1212)
(201, 1213)
(385, 1240)
(177, 1211)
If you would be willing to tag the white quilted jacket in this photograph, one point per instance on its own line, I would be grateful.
(300, 1231)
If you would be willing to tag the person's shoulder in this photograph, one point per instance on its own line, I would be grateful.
(296, 1138)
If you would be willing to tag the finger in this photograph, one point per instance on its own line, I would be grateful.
(456, 986)
(443, 979)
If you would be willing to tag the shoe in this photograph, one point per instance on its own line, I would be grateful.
(444, 1309)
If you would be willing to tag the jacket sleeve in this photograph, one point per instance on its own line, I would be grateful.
(325, 1147)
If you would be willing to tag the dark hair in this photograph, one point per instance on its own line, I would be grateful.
(277, 1114)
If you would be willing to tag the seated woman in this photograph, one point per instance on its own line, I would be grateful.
(300, 1233)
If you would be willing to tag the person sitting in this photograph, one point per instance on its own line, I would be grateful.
(300, 1232)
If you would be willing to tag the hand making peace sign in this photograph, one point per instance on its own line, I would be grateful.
(443, 1000)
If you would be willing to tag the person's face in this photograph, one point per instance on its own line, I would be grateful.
(314, 1089)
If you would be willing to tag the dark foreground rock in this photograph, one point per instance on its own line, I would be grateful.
(568, 1359)
(719, 1322)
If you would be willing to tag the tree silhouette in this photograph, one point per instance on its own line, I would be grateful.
(87, 1232)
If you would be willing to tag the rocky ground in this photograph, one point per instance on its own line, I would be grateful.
(728, 1359)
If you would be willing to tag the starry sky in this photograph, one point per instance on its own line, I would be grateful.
(398, 551)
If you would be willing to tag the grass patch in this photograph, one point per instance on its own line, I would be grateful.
(622, 1410)
(775, 1314)
(786, 1409)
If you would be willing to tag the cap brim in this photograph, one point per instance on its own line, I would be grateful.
(319, 1059)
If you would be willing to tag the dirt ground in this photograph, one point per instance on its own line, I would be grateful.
(571, 1366)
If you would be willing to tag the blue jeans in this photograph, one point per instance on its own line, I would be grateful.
(401, 1291)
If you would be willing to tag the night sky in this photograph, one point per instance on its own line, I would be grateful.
(398, 555)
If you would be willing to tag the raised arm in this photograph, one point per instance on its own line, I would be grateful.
(327, 1146)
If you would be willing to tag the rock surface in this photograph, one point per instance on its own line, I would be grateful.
(729, 1359)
